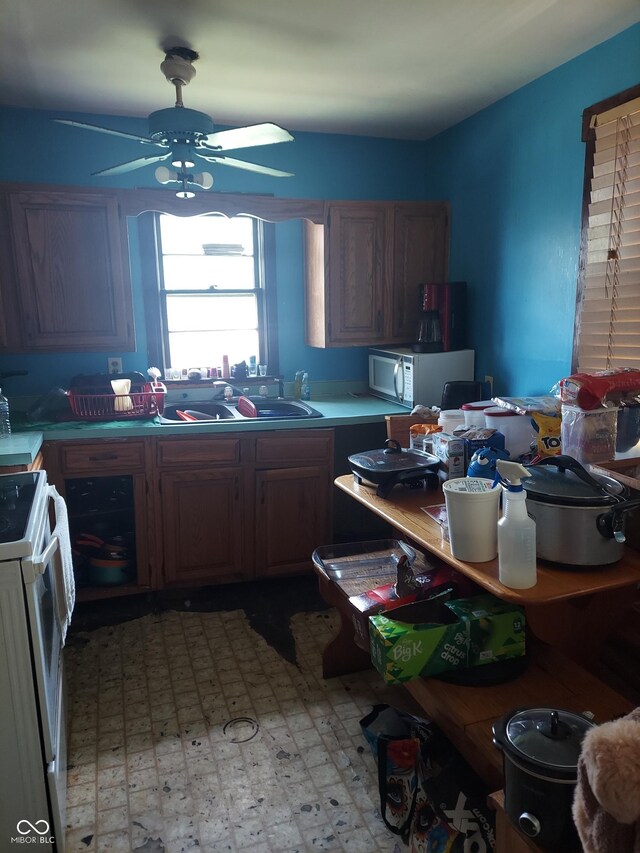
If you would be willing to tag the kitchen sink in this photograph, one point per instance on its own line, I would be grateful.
(208, 411)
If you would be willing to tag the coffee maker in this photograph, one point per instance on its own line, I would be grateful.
(442, 324)
(429, 337)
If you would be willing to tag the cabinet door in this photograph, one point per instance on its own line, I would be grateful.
(72, 271)
(202, 526)
(358, 261)
(420, 256)
(292, 518)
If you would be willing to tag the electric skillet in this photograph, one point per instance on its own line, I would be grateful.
(393, 464)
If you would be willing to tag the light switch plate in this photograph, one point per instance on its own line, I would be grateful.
(114, 364)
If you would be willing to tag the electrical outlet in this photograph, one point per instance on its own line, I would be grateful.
(114, 364)
(489, 381)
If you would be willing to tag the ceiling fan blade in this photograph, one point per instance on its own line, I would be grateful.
(130, 165)
(249, 167)
(105, 130)
(247, 137)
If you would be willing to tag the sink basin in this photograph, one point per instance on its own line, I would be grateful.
(272, 409)
(201, 411)
(208, 411)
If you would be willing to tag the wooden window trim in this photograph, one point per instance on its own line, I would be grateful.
(155, 322)
(589, 138)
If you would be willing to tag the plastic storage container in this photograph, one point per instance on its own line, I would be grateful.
(589, 435)
(517, 429)
(449, 419)
(474, 412)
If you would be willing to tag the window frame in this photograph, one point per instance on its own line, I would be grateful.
(155, 304)
(589, 138)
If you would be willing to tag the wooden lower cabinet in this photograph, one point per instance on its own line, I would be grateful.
(292, 518)
(203, 526)
(106, 489)
(201, 509)
(242, 506)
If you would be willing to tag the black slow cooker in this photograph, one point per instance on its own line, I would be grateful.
(541, 748)
(392, 465)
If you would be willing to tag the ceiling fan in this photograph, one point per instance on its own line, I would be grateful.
(183, 135)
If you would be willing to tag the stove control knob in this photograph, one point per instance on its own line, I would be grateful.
(529, 824)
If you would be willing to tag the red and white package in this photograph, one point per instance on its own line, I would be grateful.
(592, 390)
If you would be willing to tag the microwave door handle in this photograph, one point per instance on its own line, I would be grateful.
(396, 372)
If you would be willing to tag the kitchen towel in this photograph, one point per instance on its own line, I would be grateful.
(67, 600)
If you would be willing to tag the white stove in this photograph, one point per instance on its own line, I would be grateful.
(36, 602)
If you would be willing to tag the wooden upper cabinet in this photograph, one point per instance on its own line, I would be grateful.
(420, 248)
(363, 268)
(71, 271)
(357, 261)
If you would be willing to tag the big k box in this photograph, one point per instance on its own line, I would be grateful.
(426, 638)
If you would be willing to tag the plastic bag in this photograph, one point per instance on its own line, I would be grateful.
(429, 795)
(592, 390)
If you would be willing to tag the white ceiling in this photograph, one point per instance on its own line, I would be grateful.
(393, 68)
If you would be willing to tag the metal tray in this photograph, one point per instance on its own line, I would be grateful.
(358, 560)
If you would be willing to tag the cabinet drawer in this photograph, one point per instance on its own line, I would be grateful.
(203, 451)
(294, 447)
(100, 457)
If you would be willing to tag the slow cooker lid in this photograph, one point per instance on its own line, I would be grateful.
(548, 736)
(383, 460)
(553, 485)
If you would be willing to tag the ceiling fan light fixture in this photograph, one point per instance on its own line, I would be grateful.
(204, 180)
(164, 175)
(185, 193)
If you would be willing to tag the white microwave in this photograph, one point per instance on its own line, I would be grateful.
(416, 378)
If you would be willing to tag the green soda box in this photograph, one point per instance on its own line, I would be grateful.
(425, 639)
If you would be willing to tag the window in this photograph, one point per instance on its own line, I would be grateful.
(608, 309)
(207, 293)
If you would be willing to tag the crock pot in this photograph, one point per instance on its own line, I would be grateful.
(540, 748)
(579, 516)
(393, 464)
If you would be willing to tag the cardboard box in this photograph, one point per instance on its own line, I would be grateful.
(428, 638)
(450, 452)
(477, 438)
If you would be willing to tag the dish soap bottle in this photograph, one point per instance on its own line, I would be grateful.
(5, 423)
(297, 385)
(305, 390)
(517, 563)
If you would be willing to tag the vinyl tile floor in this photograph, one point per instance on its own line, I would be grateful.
(188, 731)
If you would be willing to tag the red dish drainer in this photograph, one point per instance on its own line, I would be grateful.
(92, 404)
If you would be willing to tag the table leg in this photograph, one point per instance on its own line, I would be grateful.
(341, 655)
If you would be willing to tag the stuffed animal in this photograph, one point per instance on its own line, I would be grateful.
(483, 462)
(606, 805)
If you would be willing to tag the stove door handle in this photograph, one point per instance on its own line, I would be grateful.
(41, 561)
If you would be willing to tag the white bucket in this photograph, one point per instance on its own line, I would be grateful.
(472, 512)
(517, 429)
(474, 413)
(449, 419)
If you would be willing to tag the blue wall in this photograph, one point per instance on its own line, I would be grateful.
(325, 166)
(514, 174)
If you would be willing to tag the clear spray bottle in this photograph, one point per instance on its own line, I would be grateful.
(517, 560)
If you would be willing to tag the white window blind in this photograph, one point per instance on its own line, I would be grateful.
(608, 318)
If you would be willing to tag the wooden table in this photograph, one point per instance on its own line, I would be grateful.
(561, 604)
(574, 610)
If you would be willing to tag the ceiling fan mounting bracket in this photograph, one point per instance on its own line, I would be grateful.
(177, 66)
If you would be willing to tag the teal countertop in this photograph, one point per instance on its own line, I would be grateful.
(346, 410)
(21, 448)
